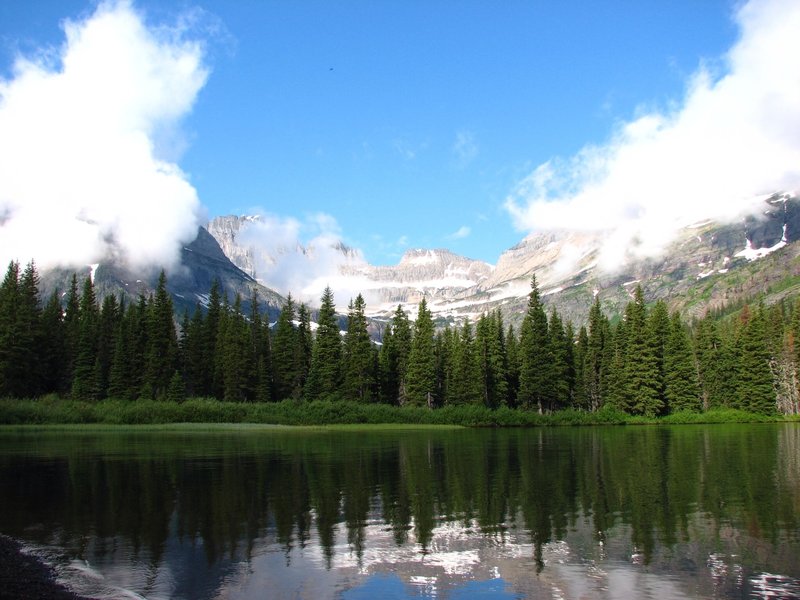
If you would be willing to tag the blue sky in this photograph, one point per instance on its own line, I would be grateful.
(410, 123)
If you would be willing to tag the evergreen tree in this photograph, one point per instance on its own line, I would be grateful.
(162, 349)
(387, 367)
(597, 349)
(305, 345)
(107, 334)
(658, 332)
(682, 390)
(285, 341)
(324, 377)
(492, 360)
(420, 377)
(357, 353)
(465, 386)
(235, 354)
(561, 368)
(176, 391)
(84, 385)
(53, 346)
(579, 397)
(755, 387)
(642, 383)
(193, 354)
(71, 334)
(212, 327)
(513, 362)
(402, 335)
(260, 379)
(28, 336)
(9, 301)
(536, 377)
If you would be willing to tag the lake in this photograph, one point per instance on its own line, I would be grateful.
(245, 513)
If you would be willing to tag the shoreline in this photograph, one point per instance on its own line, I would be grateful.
(24, 576)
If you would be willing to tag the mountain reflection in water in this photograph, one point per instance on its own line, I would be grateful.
(681, 512)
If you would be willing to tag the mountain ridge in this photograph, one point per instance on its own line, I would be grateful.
(701, 269)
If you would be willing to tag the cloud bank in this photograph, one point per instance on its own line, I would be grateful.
(302, 257)
(734, 136)
(86, 136)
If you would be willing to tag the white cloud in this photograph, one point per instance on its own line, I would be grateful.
(734, 136)
(465, 148)
(301, 257)
(460, 233)
(87, 139)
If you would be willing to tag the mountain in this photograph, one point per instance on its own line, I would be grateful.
(707, 266)
(202, 262)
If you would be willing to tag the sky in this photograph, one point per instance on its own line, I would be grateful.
(388, 125)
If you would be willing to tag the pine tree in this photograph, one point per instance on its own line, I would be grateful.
(513, 362)
(755, 387)
(235, 354)
(580, 399)
(193, 351)
(84, 385)
(284, 344)
(401, 334)
(211, 331)
(260, 377)
(535, 378)
(176, 391)
(107, 334)
(53, 347)
(28, 336)
(305, 345)
(682, 390)
(162, 350)
(561, 368)
(9, 301)
(357, 354)
(597, 349)
(658, 332)
(492, 360)
(71, 334)
(641, 384)
(420, 378)
(324, 376)
(467, 372)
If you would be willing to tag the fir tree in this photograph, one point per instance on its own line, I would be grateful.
(84, 385)
(536, 378)
(9, 300)
(71, 333)
(596, 352)
(235, 355)
(642, 383)
(162, 350)
(420, 377)
(465, 386)
(755, 387)
(561, 368)
(324, 377)
(682, 391)
(53, 347)
(285, 341)
(357, 353)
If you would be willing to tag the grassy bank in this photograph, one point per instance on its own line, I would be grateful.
(52, 411)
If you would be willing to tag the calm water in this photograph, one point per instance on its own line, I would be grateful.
(624, 512)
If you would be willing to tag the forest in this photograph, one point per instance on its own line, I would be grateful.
(648, 362)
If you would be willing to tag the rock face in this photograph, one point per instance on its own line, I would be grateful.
(707, 266)
(202, 262)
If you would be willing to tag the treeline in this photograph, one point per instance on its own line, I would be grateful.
(649, 363)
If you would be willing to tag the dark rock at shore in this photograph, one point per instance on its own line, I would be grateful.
(23, 576)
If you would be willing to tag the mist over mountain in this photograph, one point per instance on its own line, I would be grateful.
(708, 265)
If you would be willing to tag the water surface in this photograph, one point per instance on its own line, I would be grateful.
(614, 512)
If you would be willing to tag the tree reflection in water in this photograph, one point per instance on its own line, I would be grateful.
(194, 511)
